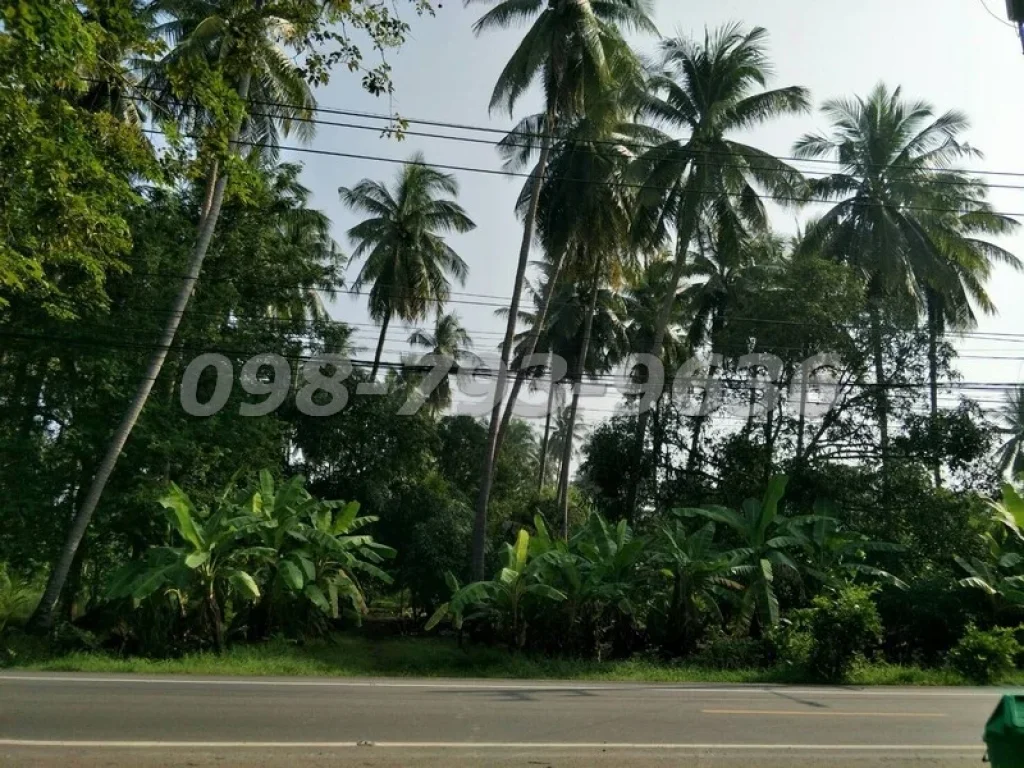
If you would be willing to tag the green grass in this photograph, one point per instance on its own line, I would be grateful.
(354, 655)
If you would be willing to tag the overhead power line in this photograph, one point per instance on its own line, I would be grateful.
(624, 143)
(392, 120)
(793, 199)
(483, 371)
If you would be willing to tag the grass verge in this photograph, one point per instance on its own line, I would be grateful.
(355, 655)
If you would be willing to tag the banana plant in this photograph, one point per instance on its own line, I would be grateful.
(766, 545)
(835, 557)
(504, 599)
(339, 555)
(318, 559)
(700, 575)
(212, 562)
(1001, 574)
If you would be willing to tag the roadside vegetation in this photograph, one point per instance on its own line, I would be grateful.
(760, 520)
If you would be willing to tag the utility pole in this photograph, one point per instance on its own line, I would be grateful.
(1015, 10)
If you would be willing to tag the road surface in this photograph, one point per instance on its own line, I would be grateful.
(111, 720)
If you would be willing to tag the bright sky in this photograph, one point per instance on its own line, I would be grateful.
(949, 52)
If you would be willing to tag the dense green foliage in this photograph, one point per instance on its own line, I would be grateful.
(756, 512)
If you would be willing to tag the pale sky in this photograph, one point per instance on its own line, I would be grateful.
(948, 52)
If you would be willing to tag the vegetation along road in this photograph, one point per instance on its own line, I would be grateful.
(123, 720)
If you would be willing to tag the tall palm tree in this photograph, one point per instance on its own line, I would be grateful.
(1011, 453)
(450, 341)
(408, 264)
(564, 432)
(567, 49)
(709, 89)
(307, 230)
(723, 269)
(240, 42)
(586, 214)
(904, 217)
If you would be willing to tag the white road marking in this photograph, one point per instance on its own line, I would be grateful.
(814, 713)
(971, 748)
(473, 686)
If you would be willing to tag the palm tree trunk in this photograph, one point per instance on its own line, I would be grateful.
(544, 441)
(934, 318)
(688, 215)
(43, 617)
(881, 395)
(581, 363)
(531, 348)
(487, 476)
(380, 345)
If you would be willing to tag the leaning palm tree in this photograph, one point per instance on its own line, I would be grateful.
(710, 90)
(408, 265)
(567, 49)
(1011, 453)
(904, 217)
(450, 341)
(239, 43)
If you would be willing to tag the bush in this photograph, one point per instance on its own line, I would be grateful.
(722, 651)
(842, 628)
(923, 623)
(985, 656)
(791, 641)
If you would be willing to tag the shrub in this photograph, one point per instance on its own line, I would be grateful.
(722, 651)
(842, 627)
(791, 641)
(924, 622)
(985, 656)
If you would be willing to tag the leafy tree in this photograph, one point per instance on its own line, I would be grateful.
(220, 49)
(66, 189)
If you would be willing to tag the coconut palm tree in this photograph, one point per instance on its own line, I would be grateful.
(451, 341)
(240, 44)
(564, 433)
(567, 48)
(904, 217)
(709, 89)
(1011, 453)
(408, 265)
(308, 231)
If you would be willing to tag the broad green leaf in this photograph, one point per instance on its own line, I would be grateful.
(546, 591)
(291, 575)
(267, 492)
(437, 617)
(245, 584)
(343, 520)
(521, 549)
(177, 503)
(196, 559)
(317, 597)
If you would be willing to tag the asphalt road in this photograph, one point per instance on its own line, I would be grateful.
(94, 720)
